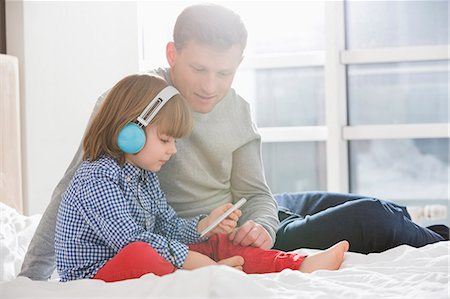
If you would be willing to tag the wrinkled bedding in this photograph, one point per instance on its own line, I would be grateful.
(402, 272)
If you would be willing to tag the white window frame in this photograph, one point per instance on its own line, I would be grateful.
(336, 132)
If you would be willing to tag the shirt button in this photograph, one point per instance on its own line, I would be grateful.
(128, 179)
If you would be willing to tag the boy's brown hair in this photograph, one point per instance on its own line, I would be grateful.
(123, 104)
(209, 24)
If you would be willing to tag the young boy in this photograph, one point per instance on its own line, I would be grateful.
(114, 222)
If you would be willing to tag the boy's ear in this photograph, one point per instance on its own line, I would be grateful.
(171, 53)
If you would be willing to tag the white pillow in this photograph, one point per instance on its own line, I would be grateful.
(16, 232)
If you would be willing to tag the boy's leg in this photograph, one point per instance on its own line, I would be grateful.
(370, 225)
(256, 260)
(133, 261)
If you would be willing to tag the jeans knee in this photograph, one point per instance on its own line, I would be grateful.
(378, 214)
(368, 209)
(364, 204)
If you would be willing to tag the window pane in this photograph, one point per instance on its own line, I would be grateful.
(282, 26)
(398, 93)
(412, 169)
(377, 24)
(295, 166)
(284, 96)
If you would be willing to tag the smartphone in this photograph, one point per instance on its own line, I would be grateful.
(223, 216)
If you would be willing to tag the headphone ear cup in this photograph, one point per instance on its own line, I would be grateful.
(131, 138)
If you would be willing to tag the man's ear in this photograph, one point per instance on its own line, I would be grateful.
(171, 53)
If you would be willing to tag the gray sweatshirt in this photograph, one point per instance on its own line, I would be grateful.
(219, 162)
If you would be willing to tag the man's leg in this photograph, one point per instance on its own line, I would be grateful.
(370, 225)
(309, 203)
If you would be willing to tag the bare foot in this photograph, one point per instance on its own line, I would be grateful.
(235, 261)
(330, 259)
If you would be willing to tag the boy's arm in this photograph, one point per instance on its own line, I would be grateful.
(176, 228)
(104, 208)
(39, 262)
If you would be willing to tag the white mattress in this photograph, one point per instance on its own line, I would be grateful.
(402, 272)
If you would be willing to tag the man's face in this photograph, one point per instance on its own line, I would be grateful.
(202, 73)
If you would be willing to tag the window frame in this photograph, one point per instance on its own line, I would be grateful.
(334, 59)
(337, 133)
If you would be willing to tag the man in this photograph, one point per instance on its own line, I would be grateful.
(221, 162)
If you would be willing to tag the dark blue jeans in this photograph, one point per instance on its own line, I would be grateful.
(320, 219)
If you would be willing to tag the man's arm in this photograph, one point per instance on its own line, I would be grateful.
(39, 262)
(259, 219)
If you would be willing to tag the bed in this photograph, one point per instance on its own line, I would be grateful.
(402, 272)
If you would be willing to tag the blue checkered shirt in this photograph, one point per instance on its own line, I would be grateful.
(107, 207)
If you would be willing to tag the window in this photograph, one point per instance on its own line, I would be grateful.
(413, 92)
(287, 97)
(295, 165)
(379, 24)
(349, 96)
(282, 76)
(398, 82)
(401, 169)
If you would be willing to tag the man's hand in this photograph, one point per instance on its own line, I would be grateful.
(251, 234)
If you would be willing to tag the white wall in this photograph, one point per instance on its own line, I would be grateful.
(69, 53)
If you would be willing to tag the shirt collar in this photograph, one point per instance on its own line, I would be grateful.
(131, 172)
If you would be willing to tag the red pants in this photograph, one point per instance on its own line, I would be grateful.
(139, 258)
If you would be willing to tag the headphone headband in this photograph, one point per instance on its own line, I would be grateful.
(131, 138)
(156, 104)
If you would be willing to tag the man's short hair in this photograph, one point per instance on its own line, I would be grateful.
(209, 24)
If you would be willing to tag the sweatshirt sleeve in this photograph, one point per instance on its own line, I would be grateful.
(247, 180)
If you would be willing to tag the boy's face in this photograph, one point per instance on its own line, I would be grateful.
(203, 74)
(158, 149)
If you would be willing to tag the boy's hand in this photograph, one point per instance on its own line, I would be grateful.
(226, 226)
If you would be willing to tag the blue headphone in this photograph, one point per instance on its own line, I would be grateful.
(131, 138)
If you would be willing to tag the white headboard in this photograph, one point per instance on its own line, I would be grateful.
(10, 143)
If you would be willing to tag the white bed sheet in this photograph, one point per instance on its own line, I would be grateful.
(16, 232)
(402, 272)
